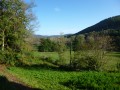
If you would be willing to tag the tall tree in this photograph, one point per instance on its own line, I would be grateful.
(79, 42)
(15, 18)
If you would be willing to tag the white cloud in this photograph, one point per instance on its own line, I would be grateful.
(57, 9)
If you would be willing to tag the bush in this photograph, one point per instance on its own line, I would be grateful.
(86, 63)
(7, 57)
(85, 60)
(14, 58)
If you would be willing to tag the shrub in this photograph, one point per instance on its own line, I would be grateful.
(10, 57)
(89, 60)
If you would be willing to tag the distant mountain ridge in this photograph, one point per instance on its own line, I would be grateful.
(112, 23)
(51, 36)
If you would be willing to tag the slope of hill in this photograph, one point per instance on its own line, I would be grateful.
(112, 23)
(110, 26)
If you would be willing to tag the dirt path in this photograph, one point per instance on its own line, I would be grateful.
(9, 76)
(14, 80)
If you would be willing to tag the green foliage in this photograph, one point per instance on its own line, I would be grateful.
(94, 81)
(46, 45)
(41, 78)
(14, 27)
(89, 60)
(79, 43)
(49, 45)
(61, 44)
(60, 49)
(90, 51)
(7, 57)
(43, 75)
(83, 60)
(62, 59)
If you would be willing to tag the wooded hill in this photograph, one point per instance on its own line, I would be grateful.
(109, 27)
(112, 23)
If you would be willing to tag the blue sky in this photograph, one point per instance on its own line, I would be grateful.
(71, 16)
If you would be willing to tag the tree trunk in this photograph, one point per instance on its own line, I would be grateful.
(70, 53)
(3, 41)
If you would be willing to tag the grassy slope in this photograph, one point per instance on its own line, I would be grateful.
(52, 79)
(44, 79)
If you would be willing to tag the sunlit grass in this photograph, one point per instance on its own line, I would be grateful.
(43, 78)
(47, 76)
(49, 79)
(111, 59)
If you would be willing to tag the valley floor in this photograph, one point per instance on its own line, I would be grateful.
(41, 75)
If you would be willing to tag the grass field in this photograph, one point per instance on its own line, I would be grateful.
(52, 56)
(43, 78)
(112, 58)
(46, 76)
(48, 79)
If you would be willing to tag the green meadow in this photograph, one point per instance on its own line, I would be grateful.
(44, 75)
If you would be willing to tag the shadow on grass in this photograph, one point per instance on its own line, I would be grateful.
(7, 85)
(21, 87)
(40, 66)
(47, 67)
(116, 54)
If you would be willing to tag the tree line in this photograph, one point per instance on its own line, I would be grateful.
(87, 51)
